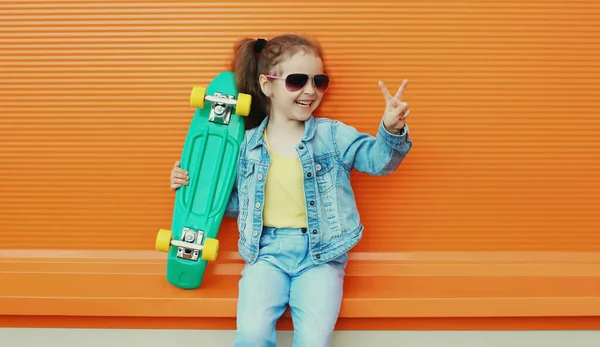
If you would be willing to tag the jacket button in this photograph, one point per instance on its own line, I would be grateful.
(312, 203)
(255, 233)
(301, 147)
(260, 177)
(309, 174)
(304, 230)
(257, 205)
(314, 231)
(318, 256)
(318, 167)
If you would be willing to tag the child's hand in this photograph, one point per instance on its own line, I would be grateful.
(179, 177)
(396, 111)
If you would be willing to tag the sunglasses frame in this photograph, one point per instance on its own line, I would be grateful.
(310, 78)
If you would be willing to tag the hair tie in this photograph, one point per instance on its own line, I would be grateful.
(259, 45)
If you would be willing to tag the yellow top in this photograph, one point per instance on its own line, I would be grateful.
(284, 205)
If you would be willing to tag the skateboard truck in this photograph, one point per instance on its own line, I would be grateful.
(222, 105)
(220, 111)
(190, 245)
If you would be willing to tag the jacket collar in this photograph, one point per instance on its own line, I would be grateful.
(310, 127)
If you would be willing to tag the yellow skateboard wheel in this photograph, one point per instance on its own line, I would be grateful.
(211, 249)
(244, 101)
(197, 97)
(163, 240)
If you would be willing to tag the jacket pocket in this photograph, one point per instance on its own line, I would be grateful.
(325, 174)
(245, 171)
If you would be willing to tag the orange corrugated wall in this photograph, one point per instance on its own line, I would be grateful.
(504, 97)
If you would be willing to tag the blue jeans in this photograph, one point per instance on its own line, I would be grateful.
(285, 274)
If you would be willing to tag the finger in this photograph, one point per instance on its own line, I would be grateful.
(178, 170)
(403, 106)
(400, 91)
(386, 94)
(176, 163)
(397, 108)
(180, 181)
(174, 186)
(405, 115)
(179, 175)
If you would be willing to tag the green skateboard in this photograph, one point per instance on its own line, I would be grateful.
(210, 155)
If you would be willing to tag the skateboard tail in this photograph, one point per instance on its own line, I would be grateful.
(187, 278)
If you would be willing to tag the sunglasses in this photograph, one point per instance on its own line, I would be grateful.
(296, 81)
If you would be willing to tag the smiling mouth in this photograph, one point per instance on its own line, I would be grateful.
(304, 103)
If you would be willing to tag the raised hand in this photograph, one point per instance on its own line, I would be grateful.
(396, 111)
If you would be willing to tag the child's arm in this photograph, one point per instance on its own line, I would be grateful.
(382, 154)
(379, 155)
(233, 206)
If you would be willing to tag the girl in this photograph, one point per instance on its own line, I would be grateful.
(293, 201)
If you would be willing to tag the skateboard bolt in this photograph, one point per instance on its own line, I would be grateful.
(189, 237)
(219, 109)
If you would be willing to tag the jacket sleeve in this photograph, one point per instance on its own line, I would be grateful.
(233, 206)
(375, 155)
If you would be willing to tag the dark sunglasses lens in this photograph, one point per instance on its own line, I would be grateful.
(295, 82)
(321, 82)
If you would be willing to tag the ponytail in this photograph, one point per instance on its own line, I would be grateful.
(245, 67)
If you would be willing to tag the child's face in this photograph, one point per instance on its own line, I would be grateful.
(299, 104)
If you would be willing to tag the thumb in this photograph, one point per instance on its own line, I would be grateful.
(176, 163)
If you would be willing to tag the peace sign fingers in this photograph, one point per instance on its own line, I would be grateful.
(396, 111)
(397, 99)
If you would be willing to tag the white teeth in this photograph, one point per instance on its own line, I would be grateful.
(304, 103)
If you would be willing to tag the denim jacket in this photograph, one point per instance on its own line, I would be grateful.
(328, 152)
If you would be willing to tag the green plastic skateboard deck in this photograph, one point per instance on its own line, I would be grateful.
(210, 155)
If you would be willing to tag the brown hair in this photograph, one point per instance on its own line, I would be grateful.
(247, 65)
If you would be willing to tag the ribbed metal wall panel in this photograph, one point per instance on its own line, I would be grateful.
(504, 98)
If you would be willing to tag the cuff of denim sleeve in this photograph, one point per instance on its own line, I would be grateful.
(394, 140)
